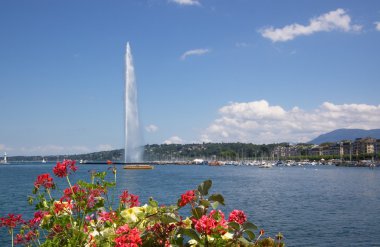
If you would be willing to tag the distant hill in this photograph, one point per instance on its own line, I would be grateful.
(345, 134)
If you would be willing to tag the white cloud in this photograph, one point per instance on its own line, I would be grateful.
(52, 150)
(174, 140)
(333, 20)
(377, 24)
(259, 122)
(194, 52)
(186, 2)
(104, 147)
(4, 148)
(151, 128)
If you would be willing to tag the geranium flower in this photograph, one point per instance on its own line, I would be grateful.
(127, 237)
(62, 169)
(237, 216)
(61, 207)
(38, 216)
(130, 199)
(186, 198)
(44, 180)
(107, 216)
(11, 221)
(212, 224)
(25, 239)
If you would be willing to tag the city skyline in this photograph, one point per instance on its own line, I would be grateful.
(206, 71)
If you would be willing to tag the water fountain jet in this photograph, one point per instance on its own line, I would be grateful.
(133, 140)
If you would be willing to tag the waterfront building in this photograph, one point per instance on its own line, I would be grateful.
(347, 147)
(363, 146)
(315, 151)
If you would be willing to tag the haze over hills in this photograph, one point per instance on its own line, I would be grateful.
(345, 134)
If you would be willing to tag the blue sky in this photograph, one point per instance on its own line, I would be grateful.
(216, 70)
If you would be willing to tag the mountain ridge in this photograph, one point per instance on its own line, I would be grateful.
(345, 134)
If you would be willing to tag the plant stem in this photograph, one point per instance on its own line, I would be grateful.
(12, 235)
(48, 191)
(68, 180)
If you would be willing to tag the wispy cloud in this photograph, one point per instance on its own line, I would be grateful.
(151, 128)
(186, 2)
(260, 122)
(4, 148)
(174, 140)
(194, 52)
(104, 147)
(377, 25)
(333, 20)
(52, 149)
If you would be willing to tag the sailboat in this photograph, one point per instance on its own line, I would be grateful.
(43, 160)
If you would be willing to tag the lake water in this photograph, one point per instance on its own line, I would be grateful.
(311, 206)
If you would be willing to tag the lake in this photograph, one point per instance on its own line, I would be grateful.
(311, 206)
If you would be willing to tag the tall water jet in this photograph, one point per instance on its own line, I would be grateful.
(133, 139)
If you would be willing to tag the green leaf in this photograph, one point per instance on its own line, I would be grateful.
(234, 225)
(190, 233)
(30, 200)
(244, 241)
(204, 203)
(250, 234)
(167, 219)
(198, 212)
(215, 205)
(101, 175)
(204, 187)
(152, 202)
(249, 226)
(217, 198)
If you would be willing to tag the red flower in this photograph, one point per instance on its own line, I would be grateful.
(212, 224)
(262, 232)
(130, 199)
(25, 239)
(11, 221)
(44, 180)
(237, 216)
(186, 198)
(38, 216)
(61, 169)
(62, 207)
(127, 237)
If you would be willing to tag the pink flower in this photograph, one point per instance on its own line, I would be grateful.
(212, 224)
(130, 199)
(107, 216)
(61, 169)
(44, 180)
(127, 237)
(186, 198)
(237, 216)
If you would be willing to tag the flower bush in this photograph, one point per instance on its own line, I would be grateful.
(85, 215)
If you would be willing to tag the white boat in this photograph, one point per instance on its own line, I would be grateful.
(43, 160)
(265, 165)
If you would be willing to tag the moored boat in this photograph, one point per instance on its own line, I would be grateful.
(138, 167)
